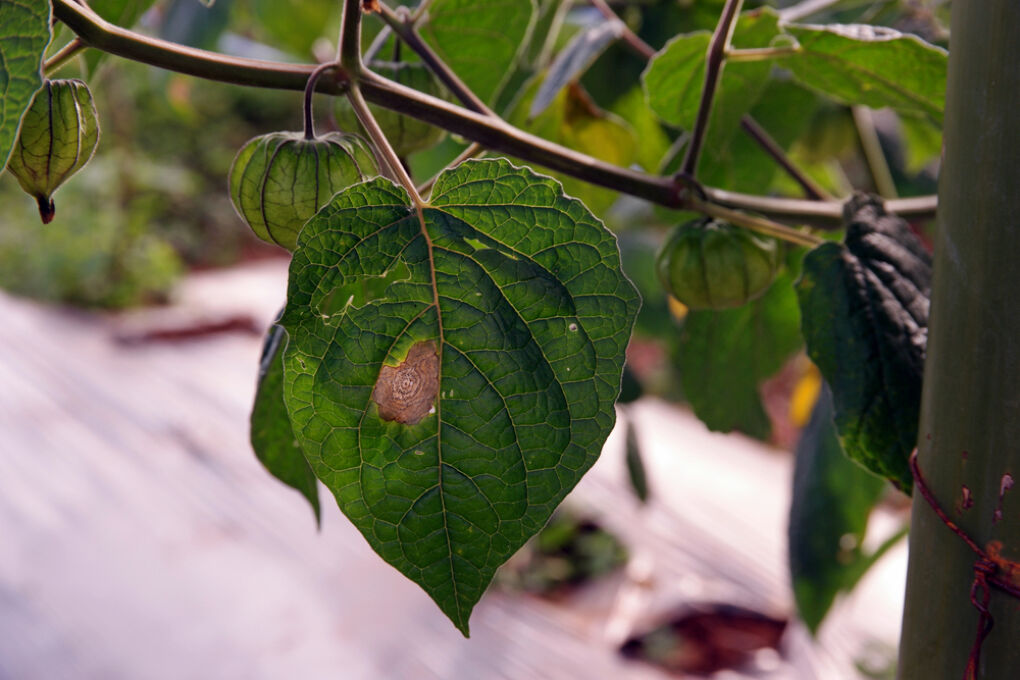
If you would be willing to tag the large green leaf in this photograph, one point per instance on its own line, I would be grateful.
(724, 355)
(871, 65)
(864, 307)
(480, 41)
(832, 500)
(676, 75)
(272, 436)
(452, 369)
(24, 33)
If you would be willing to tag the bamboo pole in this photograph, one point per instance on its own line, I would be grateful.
(970, 415)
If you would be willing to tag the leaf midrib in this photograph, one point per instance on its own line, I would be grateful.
(419, 209)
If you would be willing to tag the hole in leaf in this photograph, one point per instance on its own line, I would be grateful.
(359, 291)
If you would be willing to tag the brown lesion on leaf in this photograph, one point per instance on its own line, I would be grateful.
(406, 393)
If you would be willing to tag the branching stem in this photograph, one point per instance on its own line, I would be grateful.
(758, 224)
(749, 124)
(714, 63)
(493, 134)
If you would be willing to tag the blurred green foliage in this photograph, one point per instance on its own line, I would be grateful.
(98, 251)
(152, 202)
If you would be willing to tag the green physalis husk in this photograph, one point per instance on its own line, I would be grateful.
(405, 134)
(709, 264)
(58, 135)
(278, 181)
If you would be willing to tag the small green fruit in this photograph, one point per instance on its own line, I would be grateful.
(59, 133)
(278, 181)
(708, 264)
(405, 134)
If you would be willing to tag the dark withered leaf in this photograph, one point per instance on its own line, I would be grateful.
(864, 307)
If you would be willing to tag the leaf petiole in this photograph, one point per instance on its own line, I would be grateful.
(386, 152)
(761, 53)
(758, 224)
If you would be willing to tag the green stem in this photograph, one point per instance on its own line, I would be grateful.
(64, 55)
(761, 53)
(389, 156)
(493, 134)
(758, 224)
(873, 155)
(714, 63)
